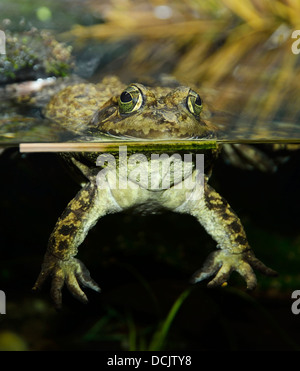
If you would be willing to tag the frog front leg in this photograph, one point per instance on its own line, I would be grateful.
(234, 254)
(78, 218)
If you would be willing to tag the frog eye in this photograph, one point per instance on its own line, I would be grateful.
(130, 100)
(194, 103)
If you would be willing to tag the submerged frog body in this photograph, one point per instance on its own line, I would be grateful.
(140, 112)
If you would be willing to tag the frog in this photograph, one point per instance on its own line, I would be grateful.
(140, 112)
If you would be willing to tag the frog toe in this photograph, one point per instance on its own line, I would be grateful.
(221, 277)
(84, 277)
(209, 268)
(56, 287)
(74, 288)
(246, 271)
(48, 267)
(258, 265)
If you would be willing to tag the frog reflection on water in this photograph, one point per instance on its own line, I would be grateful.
(139, 112)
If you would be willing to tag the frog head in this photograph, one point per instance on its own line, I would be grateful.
(153, 113)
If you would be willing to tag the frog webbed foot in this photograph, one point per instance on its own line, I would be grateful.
(71, 272)
(222, 263)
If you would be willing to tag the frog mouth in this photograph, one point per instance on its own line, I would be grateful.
(155, 135)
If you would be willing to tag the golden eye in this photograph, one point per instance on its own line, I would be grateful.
(194, 103)
(130, 100)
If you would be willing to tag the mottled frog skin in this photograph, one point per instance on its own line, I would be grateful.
(139, 112)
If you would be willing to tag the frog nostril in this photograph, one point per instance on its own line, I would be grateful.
(167, 116)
